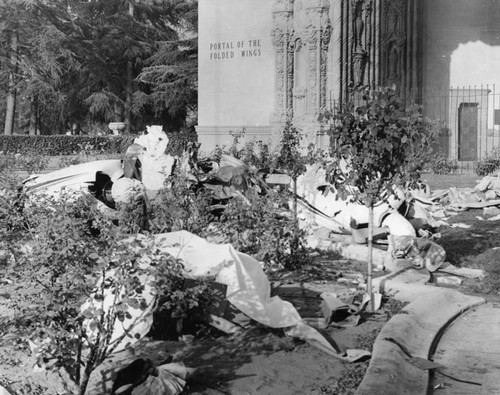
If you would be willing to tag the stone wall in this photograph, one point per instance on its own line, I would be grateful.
(236, 63)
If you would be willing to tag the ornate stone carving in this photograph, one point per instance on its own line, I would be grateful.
(281, 34)
(301, 40)
(358, 25)
(290, 68)
(359, 61)
(393, 40)
(360, 41)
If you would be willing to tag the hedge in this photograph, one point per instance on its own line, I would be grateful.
(64, 145)
(70, 145)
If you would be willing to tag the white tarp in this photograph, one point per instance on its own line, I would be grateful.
(247, 285)
(248, 289)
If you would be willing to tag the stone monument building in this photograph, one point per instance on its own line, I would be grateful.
(263, 63)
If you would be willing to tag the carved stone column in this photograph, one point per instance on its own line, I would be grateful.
(301, 36)
(317, 36)
(281, 37)
(358, 46)
(400, 44)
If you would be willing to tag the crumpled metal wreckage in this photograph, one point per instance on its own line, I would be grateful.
(136, 177)
(145, 167)
(142, 173)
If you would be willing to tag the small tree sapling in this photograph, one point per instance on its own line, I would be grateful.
(376, 147)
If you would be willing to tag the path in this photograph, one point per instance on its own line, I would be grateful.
(470, 351)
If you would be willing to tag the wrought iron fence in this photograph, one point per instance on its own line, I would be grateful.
(471, 122)
(471, 116)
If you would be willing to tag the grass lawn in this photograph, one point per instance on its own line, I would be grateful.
(474, 247)
(445, 181)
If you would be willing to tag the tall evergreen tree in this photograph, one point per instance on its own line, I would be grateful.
(97, 61)
(171, 75)
(123, 34)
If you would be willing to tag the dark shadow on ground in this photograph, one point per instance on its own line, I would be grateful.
(463, 245)
(218, 360)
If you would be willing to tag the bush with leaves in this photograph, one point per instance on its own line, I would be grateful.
(259, 225)
(12, 220)
(489, 164)
(255, 154)
(71, 245)
(31, 162)
(441, 164)
(263, 227)
(68, 246)
(291, 160)
(181, 205)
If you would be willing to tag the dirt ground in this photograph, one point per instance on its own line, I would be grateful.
(258, 360)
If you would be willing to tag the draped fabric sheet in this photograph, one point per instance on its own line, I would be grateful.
(248, 289)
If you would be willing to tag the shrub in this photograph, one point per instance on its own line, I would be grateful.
(56, 145)
(64, 145)
(31, 163)
(375, 146)
(180, 206)
(255, 154)
(489, 164)
(260, 227)
(12, 222)
(7, 162)
(178, 141)
(441, 164)
(66, 161)
(71, 244)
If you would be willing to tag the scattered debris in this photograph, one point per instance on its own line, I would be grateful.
(421, 252)
(143, 377)
(460, 225)
(448, 280)
(248, 290)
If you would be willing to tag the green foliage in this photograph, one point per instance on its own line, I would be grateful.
(255, 154)
(60, 248)
(180, 207)
(245, 223)
(378, 145)
(178, 141)
(441, 164)
(289, 157)
(66, 161)
(84, 145)
(263, 228)
(78, 62)
(489, 164)
(12, 222)
(171, 73)
(32, 163)
(64, 145)
(7, 162)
